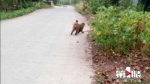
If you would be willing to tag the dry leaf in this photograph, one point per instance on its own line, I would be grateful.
(121, 68)
(90, 47)
(98, 73)
(133, 64)
(137, 68)
(137, 60)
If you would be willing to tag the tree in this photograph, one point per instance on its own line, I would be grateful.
(146, 4)
(115, 2)
(55, 1)
(125, 3)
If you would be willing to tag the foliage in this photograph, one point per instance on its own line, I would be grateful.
(125, 3)
(68, 2)
(16, 13)
(139, 7)
(13, 4)
(10, 5)
(55, 1)
(115, 2)
(80, 6)
(39, 5)
(94, 4)
(121, 30)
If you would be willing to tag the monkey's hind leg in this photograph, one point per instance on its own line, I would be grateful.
(81, 30)
(77, 31)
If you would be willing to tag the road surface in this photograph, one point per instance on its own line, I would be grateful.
(38, 49)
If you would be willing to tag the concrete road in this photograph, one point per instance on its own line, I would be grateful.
(38, 49)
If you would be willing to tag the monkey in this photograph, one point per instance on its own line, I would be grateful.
(64, 6)
(75, 24)
(78, 27)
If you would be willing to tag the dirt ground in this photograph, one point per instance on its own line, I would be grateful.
(105, 67)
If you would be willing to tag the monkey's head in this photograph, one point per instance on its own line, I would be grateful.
(83, 24)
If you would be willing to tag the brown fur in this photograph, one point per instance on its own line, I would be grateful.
(78, 28)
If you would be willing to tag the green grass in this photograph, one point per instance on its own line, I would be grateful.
(16, 13)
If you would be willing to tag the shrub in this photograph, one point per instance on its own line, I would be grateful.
(125, 3)
(79, 7)
(37, 5)
(139, 7)
(94, 4)
(121, 30)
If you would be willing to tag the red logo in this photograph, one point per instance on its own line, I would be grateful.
(127, 73)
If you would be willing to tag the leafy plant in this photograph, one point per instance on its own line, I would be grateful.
(121, 31)
(125, 3)
(8, 15)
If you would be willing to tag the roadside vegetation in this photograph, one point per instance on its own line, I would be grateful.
(67, 2)
(120, 32)
(15, 8)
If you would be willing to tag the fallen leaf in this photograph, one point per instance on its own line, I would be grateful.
(133, 64)
(137, 68)
(121, 68)
(98, 73)
(137, 60)
(90, 47)
(106, 77)
(141, 66)
(147, 69)
(117, 69)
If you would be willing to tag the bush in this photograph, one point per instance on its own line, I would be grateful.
(121, 30)
(39, 5)
(94, 4)
(80, 6)
(36, 5)
(139, 7)
(125, 3)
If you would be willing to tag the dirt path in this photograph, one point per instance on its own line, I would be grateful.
(38, 49)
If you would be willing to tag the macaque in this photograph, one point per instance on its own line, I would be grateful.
(78, 27)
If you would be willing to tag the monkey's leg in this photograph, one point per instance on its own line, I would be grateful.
(77, 31)
(72, 31)
(80, 30)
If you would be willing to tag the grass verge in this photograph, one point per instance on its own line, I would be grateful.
(16, 13)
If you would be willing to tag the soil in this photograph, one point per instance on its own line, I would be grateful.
(105, 66)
